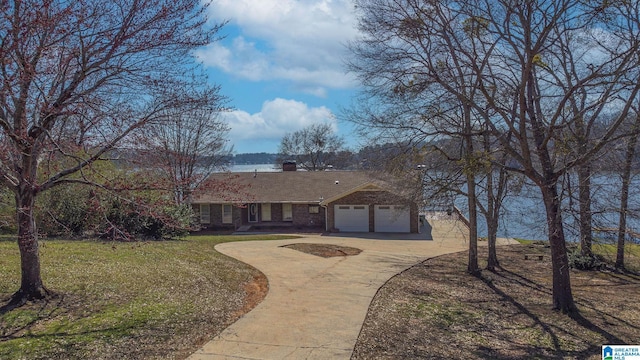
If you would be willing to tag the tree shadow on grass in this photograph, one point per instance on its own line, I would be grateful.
(524, 310)
(10, 305)
(63, 328)
(44, 309)
(521, 280)
(547, 328)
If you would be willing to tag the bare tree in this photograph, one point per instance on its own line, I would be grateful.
(495, 190)
(79, 77)
(188, 144)
(511, 65)
(313, 148)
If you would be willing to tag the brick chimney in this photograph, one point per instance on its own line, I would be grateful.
(289, 166)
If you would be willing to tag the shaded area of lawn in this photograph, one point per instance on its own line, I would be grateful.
(436, 310)
(141, 300)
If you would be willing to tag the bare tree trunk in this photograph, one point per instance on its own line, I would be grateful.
(31, 286)
(562, 296)
(548, 184)
(624, 194)
(584, 200)
(492, 259)
(470, 165)
(472, 266)
(495, 196)
(622, 223)
(494, 204)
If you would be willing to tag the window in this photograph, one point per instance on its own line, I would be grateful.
(287, 212)
(314, 209)
(227, 214)
(266, 212)
(358, 207)
(205, 214)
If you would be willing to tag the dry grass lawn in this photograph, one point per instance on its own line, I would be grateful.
(436, 310)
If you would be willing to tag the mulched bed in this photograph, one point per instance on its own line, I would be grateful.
(324, 250)
(436, 310)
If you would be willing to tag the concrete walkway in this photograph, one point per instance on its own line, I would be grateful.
(316, 306)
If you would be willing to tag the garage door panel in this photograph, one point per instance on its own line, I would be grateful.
(392, 218)
(352, 218)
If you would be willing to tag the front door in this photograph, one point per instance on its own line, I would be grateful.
(253, 212)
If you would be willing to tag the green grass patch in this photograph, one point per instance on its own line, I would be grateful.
(442, 315)
(124, 300)
(609, 251)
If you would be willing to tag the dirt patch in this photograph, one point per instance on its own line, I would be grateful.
(324, 250)
(436, 310)
(255, 292)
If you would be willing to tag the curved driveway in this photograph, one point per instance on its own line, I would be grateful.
(316, 306)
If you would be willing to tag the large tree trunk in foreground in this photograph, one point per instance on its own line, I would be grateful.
(31, 287)
(562, 296)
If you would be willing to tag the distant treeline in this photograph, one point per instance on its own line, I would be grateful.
(366, 157)
(253, 158)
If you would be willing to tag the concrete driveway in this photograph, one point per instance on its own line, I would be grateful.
(316, 306)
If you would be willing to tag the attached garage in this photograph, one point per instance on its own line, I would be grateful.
(392, 218)
(352, 218)
(370, 208)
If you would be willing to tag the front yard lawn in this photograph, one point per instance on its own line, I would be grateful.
(151, 300)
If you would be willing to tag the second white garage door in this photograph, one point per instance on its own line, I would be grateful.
(352, 218)
(392, 218)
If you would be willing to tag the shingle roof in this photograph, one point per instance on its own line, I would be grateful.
(287, 186)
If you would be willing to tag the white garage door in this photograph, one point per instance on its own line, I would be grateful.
(352, 218)
(392, 218)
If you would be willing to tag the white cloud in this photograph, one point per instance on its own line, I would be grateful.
(301, 41)
(276, 118)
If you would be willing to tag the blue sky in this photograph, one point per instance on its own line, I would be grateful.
(282, 66)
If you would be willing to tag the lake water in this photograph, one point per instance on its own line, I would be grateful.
(254, 167)
(523, 214)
